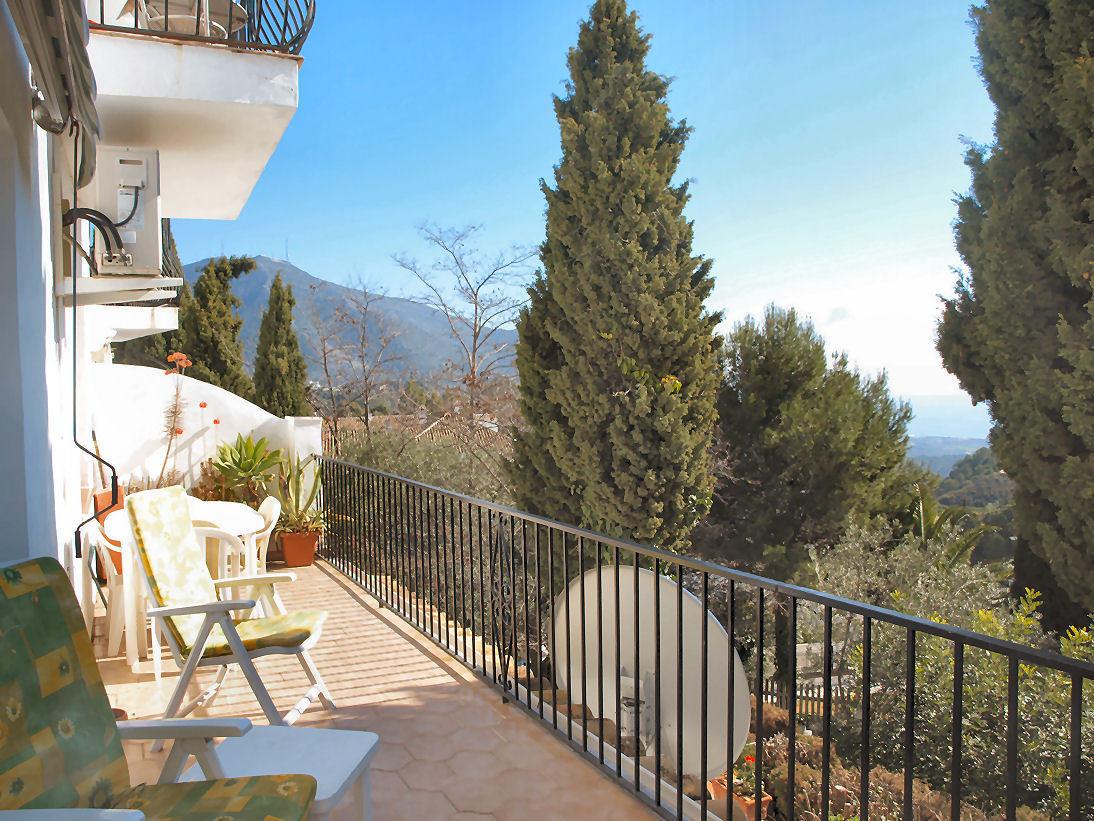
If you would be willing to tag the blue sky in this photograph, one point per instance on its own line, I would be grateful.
(825, 157)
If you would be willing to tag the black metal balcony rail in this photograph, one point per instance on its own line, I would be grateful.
(484, 582)
(259, 25)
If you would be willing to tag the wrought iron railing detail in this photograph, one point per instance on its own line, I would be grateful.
(485, 582)
(259, 25)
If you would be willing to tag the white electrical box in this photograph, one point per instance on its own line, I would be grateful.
(127, 190)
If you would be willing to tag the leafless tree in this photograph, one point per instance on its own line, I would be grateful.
(477, 297)
(370, 355)
(328, 353)
(352, 347)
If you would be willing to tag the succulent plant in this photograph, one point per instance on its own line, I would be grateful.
(297, 492)
(247, 466)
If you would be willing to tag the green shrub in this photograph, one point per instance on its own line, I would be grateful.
(912, 577)
(452, 464)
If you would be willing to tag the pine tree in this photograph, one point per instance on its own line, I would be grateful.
(616, 355)
(1019, 333)
(209, 327)
(280, 378)
(808, 443)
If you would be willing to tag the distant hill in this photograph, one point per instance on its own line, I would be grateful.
(941, 453)
(424, 344)
(976, 481)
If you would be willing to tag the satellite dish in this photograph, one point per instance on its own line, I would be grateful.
(638, 686)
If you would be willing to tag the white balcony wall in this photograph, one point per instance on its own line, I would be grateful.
(127, 404)
(35, 448)
(214, 112)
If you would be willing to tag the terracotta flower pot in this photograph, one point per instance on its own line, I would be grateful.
(748, 804)
(718, 787)
(299, 548)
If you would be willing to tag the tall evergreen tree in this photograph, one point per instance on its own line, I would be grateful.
(617, 356)
(808, 443)
(1019, 333)
(209, 328)
(280, 378)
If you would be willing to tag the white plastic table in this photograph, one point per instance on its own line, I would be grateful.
(236, 518)
(337, 759)
(233, 517)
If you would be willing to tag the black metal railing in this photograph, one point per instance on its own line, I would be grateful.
(260, 25)
(916, 707)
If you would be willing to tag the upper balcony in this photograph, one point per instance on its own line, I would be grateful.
(210, 84)
(279, 26)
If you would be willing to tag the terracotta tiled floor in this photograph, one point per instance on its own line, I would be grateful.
(449, 747)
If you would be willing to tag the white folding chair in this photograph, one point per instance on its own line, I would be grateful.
(199, 626)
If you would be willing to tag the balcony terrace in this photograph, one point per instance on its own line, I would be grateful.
(512, 665)
(450, 747)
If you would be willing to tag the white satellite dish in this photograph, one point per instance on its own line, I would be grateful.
(638, 709)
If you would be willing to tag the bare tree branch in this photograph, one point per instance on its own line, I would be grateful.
(476, 298)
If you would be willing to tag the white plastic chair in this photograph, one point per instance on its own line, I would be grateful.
(115, 598)
(199, 626)
(337, 759)
(258, 544)
(115, 605)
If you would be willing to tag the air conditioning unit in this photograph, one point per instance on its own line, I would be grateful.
(126, 189)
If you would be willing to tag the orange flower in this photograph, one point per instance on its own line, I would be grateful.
(750, 759)
(216, 421)
(203, 404)
(178, 431)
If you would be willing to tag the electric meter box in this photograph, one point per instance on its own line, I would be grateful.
(127, 190)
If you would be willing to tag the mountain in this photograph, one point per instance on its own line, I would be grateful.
(976, 481)
(941, 453)
(424, 344)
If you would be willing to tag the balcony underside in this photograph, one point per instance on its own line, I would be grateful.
(449, 748)
(215, 113)
(120, 323)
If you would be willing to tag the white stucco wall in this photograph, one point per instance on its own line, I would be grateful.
(34, 447)
(44, 477)
(128, 403)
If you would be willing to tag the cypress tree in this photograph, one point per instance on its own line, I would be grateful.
(1019, 333)
(280, 379)
(616, 354)
(209, 327)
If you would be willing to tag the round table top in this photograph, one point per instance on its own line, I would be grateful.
(234, 517)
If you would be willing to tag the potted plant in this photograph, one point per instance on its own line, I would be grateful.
(247, 466)
(744, 784)
(301, 521)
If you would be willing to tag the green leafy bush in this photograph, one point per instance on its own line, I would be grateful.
(915, 577)
(459, 465)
